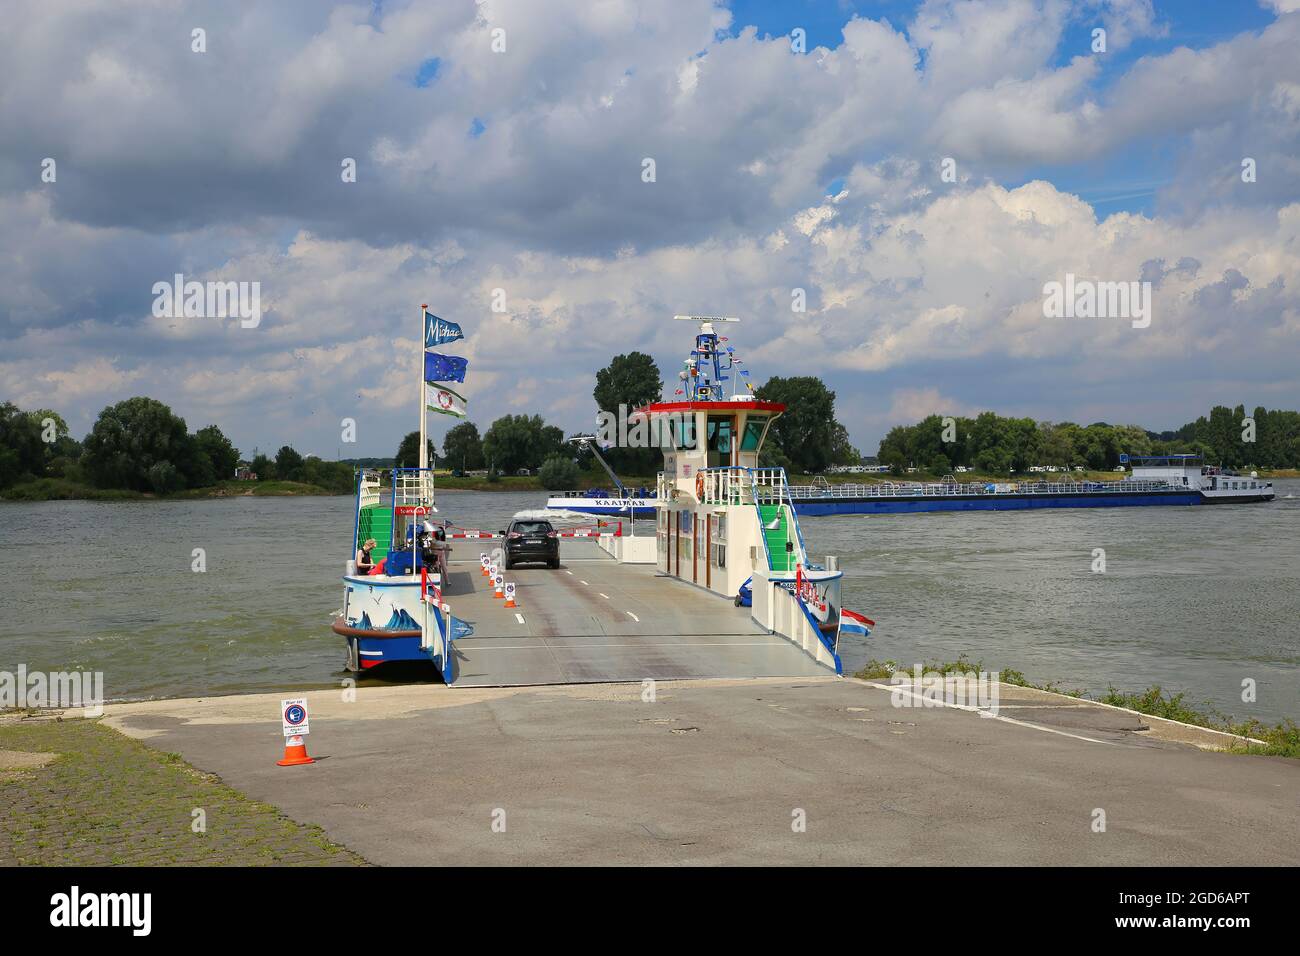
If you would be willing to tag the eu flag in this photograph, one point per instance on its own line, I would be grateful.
(444, 368)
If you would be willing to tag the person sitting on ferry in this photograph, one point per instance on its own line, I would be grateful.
(364, 564)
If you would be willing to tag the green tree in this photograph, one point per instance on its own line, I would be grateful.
(288, 464)
(627, 383)
(558, 473)
(335, 476)
(22, 453)
(61, 453)
(164, 477)
(520, 441)
(263, 467)
(129, 438)
(221, 454)
(462, 447)
(630, 380)
(842, 450)
(408, 452)
(194, 465)
(806, 431)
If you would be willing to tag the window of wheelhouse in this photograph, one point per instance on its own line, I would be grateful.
(753, 433)
(721, 435)
(681, 425)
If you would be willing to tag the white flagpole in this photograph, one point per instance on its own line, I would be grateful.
(424, 443)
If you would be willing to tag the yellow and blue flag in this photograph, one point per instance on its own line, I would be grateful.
(444, 368)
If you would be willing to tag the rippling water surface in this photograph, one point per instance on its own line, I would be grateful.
(1194, 599)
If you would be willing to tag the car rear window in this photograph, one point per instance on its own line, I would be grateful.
(532, 527)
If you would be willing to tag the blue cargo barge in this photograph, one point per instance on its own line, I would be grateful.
(1163, 480)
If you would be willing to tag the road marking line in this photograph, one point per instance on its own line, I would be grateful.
(583, 582)
(568, 572)
(983, 712)
(603, 594)
(633, 617)
(519, 618)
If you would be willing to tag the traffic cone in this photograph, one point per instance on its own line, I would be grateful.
(499, 593)
(510, 601)
(295, 753)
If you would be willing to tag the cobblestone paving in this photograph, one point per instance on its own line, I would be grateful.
(109, 800)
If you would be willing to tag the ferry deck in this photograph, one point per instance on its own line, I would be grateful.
(597, 620)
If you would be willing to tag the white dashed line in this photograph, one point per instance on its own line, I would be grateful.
(519, 618)
(603, 594)
(633, 617)
(568, 572)
(582, 582)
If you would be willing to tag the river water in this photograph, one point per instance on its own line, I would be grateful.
(1196, 599)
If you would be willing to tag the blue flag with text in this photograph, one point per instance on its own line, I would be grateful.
(439, 331)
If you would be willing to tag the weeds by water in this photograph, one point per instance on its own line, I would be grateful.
(1279, 740)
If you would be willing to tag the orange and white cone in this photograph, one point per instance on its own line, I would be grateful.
(510, 600)
(295, 753)
(498, 592)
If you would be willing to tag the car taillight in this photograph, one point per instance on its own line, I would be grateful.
(551, 534)
(514, 534)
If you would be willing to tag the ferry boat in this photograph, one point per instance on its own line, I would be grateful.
(395, 610)
(1154, 480)
(724, 588)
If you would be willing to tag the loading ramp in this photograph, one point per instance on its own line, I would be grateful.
(595, 620)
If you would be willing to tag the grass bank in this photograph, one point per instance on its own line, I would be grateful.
(61, 489)
(1280, 740)
(76, 793)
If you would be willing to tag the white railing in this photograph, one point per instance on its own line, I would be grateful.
(726, 486)
(889, 489)
(770, 486)
(368, 492)
(413, 487)
(665, 485)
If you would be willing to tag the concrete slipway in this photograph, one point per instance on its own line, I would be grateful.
(712, 771)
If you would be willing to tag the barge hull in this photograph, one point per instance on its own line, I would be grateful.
(1006, 502)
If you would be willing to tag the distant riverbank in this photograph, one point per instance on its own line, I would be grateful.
(59, 489)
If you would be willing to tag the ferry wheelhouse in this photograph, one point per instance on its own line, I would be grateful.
(726, 524)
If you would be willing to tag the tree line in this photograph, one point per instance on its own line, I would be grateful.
(995, 444)
(141, 445)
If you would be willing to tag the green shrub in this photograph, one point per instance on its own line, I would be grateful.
(558, 473)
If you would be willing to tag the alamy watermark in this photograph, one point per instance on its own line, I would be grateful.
(665, 430)
(1087, 299)
(208, 300)
(26, 689)
(922, 688)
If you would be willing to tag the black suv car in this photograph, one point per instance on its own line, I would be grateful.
(531, 540)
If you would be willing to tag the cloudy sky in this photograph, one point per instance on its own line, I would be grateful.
(521, 169)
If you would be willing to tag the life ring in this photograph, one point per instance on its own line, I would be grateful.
(699, 487)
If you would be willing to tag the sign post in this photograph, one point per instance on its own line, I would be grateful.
(293, 713)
